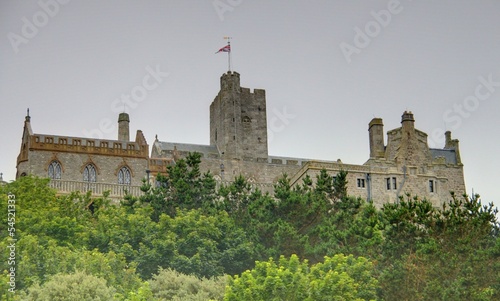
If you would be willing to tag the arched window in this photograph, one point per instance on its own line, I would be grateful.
(124, 176)
(89, 173)
(55, 170)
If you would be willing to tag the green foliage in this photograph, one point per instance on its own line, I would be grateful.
(171, 285)
(184, 225)
(340, 185)
(447, 254)
(71, 287)
(38, 262)
(39, 212)
(337, 278)
(184, 188)
(190, 242)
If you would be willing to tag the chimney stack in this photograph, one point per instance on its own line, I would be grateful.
(123, 127)
(376, 132)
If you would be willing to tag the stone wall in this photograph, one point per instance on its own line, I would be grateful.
(72, 164)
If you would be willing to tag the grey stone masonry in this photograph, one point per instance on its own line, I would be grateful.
(238, 124)
(239, 146)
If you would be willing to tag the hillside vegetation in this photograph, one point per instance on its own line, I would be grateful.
(186, 240)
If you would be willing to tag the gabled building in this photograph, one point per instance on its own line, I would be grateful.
(86, 164)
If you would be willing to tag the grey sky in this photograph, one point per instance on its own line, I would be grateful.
(434, 58)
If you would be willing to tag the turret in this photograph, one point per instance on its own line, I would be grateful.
(376, 133)
(452, 144)
(230, 81)
(123, 127)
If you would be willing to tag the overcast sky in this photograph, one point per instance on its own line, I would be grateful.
(329, 67)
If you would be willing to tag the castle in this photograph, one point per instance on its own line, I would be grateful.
(239, 145)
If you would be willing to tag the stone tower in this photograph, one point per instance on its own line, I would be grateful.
(123, 127)
(238, 124)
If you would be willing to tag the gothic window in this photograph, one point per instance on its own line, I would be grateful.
(55, 170)
(89, 174)
(246, 119)
(124, 176)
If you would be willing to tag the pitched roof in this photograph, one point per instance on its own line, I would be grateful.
(186, 147)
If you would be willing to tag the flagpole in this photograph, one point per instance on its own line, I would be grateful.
(228, 53)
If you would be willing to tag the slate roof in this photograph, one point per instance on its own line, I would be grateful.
(449, 155)
(204, 149)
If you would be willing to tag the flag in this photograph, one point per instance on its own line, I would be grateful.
(226, 48)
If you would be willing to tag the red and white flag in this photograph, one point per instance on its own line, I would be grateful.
(226, 48)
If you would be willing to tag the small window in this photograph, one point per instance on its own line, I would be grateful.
(361, 183)
(432, 186)
(391, 183)
(55, 170)
(124, 176)
(89, 174)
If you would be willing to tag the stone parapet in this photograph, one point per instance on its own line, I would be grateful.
(88, 146)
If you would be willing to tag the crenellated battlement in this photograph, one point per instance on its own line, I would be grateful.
(88, 146)
(230, 81)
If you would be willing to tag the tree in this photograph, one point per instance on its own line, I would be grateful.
(169, 284)
(340, 185)
(72, 287)
(184, 187)
(337, 278)
(440, 254)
